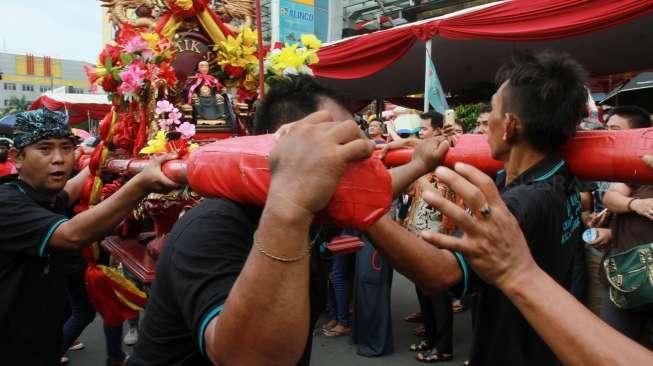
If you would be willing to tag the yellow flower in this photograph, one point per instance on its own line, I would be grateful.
(310, 41)
(236, 51)
(157, 145)
(184, 4)
(288, 57)
(311, 58)
(151, 38)
(250, 37)
(192, 147)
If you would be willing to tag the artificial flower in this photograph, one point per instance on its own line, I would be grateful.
(310, 41)
(175, 116)
(156, 145)
(163, 106)
(132, 78)
(109, 84)
(135, 44)
(292, 59)
(152, 39)
(110, 52)
(249, 36)
(167, 73)
(187, 130)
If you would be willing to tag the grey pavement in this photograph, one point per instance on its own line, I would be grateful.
(328, 351)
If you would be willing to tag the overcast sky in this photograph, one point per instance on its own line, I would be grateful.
(69, 29)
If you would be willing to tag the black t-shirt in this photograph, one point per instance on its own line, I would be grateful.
(546, 202)
(32, 295)
(203, 256)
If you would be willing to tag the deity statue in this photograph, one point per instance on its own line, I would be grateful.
(205, 100)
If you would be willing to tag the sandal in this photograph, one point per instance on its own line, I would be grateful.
(420, 331)
(433, 355)
(414, 318)
(334, 332)
(329, 325)
(423, 345)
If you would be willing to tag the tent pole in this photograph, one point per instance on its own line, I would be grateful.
(427, 56)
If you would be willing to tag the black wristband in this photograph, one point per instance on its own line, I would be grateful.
(630, 209)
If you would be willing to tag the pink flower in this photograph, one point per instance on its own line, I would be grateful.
(163, 106)
(147, 54)
(132, 78)
(175, 116)
(164, 123)
(135, 44)
(186, 130)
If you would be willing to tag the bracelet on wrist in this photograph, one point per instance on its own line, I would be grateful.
(261, 249)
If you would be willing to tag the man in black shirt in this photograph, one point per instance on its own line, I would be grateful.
(235, 284)
(34, 230)
(535, 111)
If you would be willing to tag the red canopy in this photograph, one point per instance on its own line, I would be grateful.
(607, 36)
(79, 106)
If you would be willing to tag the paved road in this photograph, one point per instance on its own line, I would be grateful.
(328, 351)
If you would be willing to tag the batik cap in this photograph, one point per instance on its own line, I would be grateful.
(33, 126)
(6, 140)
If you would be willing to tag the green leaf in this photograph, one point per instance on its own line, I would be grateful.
(126, 58)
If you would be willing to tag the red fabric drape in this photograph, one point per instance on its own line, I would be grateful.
(517, 21)
(78, 112)
(364, 56)
(536, 20)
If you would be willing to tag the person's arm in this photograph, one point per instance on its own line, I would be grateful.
(406, 252)
(390, 126)
(97, 222)
(427, 155)
(495, 247)
(75, 185)
(431, 269)
(268, 307)
(573, 332)
(618, 199)
(269, 299)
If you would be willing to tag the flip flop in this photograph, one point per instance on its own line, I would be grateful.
(423, 345)
(335, 333)
(330, 324)
(414, 318)
(433, 355)
(419, 331)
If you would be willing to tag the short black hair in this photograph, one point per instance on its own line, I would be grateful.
(290, 99)
(547, 92)
(637, 117)
(437, 119)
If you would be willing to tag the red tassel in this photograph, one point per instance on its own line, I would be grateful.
(100, 291)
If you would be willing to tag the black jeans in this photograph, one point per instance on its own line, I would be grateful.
(82, 311)
(438, 320)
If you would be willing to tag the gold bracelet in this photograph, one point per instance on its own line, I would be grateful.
(261, 249)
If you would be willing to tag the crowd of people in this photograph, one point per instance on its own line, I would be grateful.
(238, 284)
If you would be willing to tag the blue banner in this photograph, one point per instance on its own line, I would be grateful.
(434, 93)
(295, 19)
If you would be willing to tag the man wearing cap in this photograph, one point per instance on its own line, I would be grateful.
(35, 230)
(6, 166)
